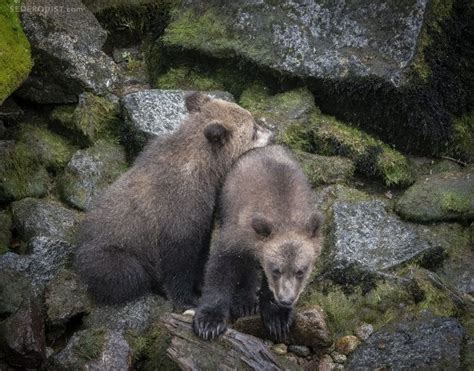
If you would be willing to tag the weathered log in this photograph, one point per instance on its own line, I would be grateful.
(231, 351)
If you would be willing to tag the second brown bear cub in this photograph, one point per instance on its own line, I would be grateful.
(269, 225)
(150, 230)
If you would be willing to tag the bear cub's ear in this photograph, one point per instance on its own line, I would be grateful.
(216, 133)
(262, 226)
(195, 100)
(313, 225)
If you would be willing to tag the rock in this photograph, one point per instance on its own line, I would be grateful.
(441, 197)
(325, 169)
(66, 45)
(10, 112)
(16, 62)
(89, 172)
(48, 256)
(5, 231)
(65, 298)
(34, 218)
(152, 113)
(14, 291)
(185, 78)
(51, 149)
(136, 315)
(280, 349)
(299, 350)
(326, 363)
(433, 343)
(343, 50)
(364, 330)
(366, 235)
(347, 344)
(93, 118)
(338, 357)
(21, 174)
(309, 328)
(22, 336)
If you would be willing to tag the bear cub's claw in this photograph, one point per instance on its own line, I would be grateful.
(244, 307)
(209, 322)
(277, 320)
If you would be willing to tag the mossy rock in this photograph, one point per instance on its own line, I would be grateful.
(440, 197)
(463, 141)
(15, 56)
(278, 110)
(149, 349)
(327, 136)
(325, 169)
(89, 172)
(414, 292)
(94, 118)
(51, 149)
(21, 173)
(5, 231)
(183, 78)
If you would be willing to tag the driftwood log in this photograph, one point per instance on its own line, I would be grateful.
(232, 351)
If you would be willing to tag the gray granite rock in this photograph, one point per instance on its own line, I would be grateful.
(432, 343)
(14, 289)
(33, 217)
(89, 172)
(66, 44)
(150, 113)
(47, 257)
(366, 235)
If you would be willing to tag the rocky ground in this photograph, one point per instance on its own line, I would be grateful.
(394, 287)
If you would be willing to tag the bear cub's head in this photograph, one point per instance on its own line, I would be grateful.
(287, 255)
(226, 126)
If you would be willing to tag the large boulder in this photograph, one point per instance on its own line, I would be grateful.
(445, 196)
(89, 172)
(399, 55)
(368, 237)
(150, 113)
(15, 59)
(33, 217)
(66, 45)
(431, 343)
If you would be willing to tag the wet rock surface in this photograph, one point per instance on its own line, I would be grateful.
(66, 44)
(433, 343)
(445, 196)
(34, 218)
(367, 235)
(89, 172)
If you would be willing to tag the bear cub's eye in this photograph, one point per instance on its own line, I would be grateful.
(276, 272)
(300, 273)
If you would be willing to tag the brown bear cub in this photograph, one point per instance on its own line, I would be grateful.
(269, 225)
(150, 230)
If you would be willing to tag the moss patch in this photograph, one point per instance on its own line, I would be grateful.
(385, 303)
(90, 343)
(327, 136)
(15, 56)
(92, 119)
(21, 173)
(50, 148)
(186, 79)
(463, 136)
(5, 231)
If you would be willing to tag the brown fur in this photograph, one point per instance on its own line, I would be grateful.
(151, 228)
(268, 224)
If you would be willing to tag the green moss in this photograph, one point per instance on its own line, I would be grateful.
(90, 344)
(5, 231)
(21, 173)
(438, 12)
(15, 56)
(463, 136)
(329, 137)
(451, 201)
(186, 79)
(149, 349)
(92, 119)
(51, 149)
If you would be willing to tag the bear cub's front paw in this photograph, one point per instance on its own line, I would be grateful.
(209, 322)
(277, 320)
